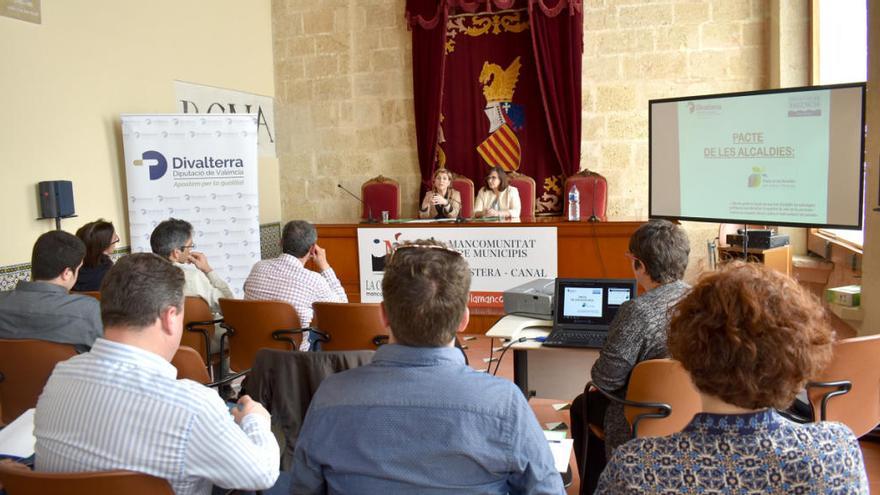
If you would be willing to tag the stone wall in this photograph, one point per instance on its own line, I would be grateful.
(344, 93)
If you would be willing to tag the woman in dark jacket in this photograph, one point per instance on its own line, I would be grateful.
(100, 239)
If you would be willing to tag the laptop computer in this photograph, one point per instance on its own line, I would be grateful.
(583, 310)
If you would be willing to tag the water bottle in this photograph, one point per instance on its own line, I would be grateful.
(574, 205)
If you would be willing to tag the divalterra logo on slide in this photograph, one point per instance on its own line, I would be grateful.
(756, 176)
(156, 161)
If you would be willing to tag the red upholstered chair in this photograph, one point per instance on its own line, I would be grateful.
(380, 194)
(593, 189)
(465, 188)
(526, 187)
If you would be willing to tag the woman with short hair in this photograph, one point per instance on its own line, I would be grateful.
(100, 239)
(750, 338)
(497, 198)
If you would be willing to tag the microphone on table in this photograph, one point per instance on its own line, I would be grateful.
(593, 217)
(370, 218)
(459, 218)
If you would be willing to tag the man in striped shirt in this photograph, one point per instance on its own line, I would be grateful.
(120, 406)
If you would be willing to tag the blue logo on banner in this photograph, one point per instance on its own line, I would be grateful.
(158, 169)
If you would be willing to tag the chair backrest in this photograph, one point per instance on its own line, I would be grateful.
(465, 188)
(25, 367)
(854, 360)
(196, 309)
(525, 185)
(351, 326)
(189, 365)
(253, 323)
(593, 197)
(661, 381)
(27, 482)
(381, 194)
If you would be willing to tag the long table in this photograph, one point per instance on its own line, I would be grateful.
(584, 250)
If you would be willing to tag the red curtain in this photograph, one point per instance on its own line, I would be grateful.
(501, 86)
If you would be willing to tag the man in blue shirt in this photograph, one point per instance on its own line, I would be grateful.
(417, 419)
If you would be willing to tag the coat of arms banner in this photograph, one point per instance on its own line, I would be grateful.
(498, 83)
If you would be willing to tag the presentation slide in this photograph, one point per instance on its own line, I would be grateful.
(616, 296)
(583, 302)
(792, 157)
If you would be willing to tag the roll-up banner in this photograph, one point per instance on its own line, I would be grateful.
(202, 169)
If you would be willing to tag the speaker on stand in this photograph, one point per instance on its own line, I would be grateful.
(56, 200)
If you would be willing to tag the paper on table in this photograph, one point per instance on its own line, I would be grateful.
(555, 435)
(561, 450)
(17, 438)
(562, 406)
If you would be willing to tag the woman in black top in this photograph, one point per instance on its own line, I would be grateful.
(100, 239)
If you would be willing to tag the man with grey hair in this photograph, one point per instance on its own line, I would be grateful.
(173, 239)
(286, 277)
(418, 419)
(121, 406)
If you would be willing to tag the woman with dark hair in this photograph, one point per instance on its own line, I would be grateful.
(442, 201)
(100, 239)
(750, 338)
(497, 198)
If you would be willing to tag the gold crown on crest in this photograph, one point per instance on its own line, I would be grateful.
(499, 84)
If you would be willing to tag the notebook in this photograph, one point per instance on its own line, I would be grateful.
(583, 310)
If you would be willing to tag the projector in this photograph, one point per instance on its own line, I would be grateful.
(533, 299)
(759, 241)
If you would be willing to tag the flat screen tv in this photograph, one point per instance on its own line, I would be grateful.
(779, 157)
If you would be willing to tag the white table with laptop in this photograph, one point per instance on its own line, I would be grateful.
(553, 355)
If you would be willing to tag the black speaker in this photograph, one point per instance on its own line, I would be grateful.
(56, 199)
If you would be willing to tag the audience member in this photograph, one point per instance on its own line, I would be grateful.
(100, 239)
(442, 201)
(658, 253)
(750, 338)
(497, 198)
(417, 419)
(286, 278)
(173, 239)
(120, 406)
(43, 308)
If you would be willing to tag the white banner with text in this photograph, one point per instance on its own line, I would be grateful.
(499, 257)
(202, 169)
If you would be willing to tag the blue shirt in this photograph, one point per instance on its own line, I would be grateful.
(418, 420)
(744, 453)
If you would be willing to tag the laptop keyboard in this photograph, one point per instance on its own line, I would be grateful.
(575, 338)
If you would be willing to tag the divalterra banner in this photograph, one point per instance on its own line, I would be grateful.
(202, 169)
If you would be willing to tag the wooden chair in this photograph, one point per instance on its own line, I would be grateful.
(198, 326)
(350, 326)
(848, 389)
(593, 189)
(27, 482)
(380, 194)
(465, 188)
(190, 366)
(254, 325)
(525, 185)
(25, 367)
(660, 399)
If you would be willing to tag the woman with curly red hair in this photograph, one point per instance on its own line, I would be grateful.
(750, 338)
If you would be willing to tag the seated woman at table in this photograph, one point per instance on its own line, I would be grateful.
(750, 337)
(100, 239)
(497, 198)
(442, 201)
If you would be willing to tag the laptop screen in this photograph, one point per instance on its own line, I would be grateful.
(590, 304)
